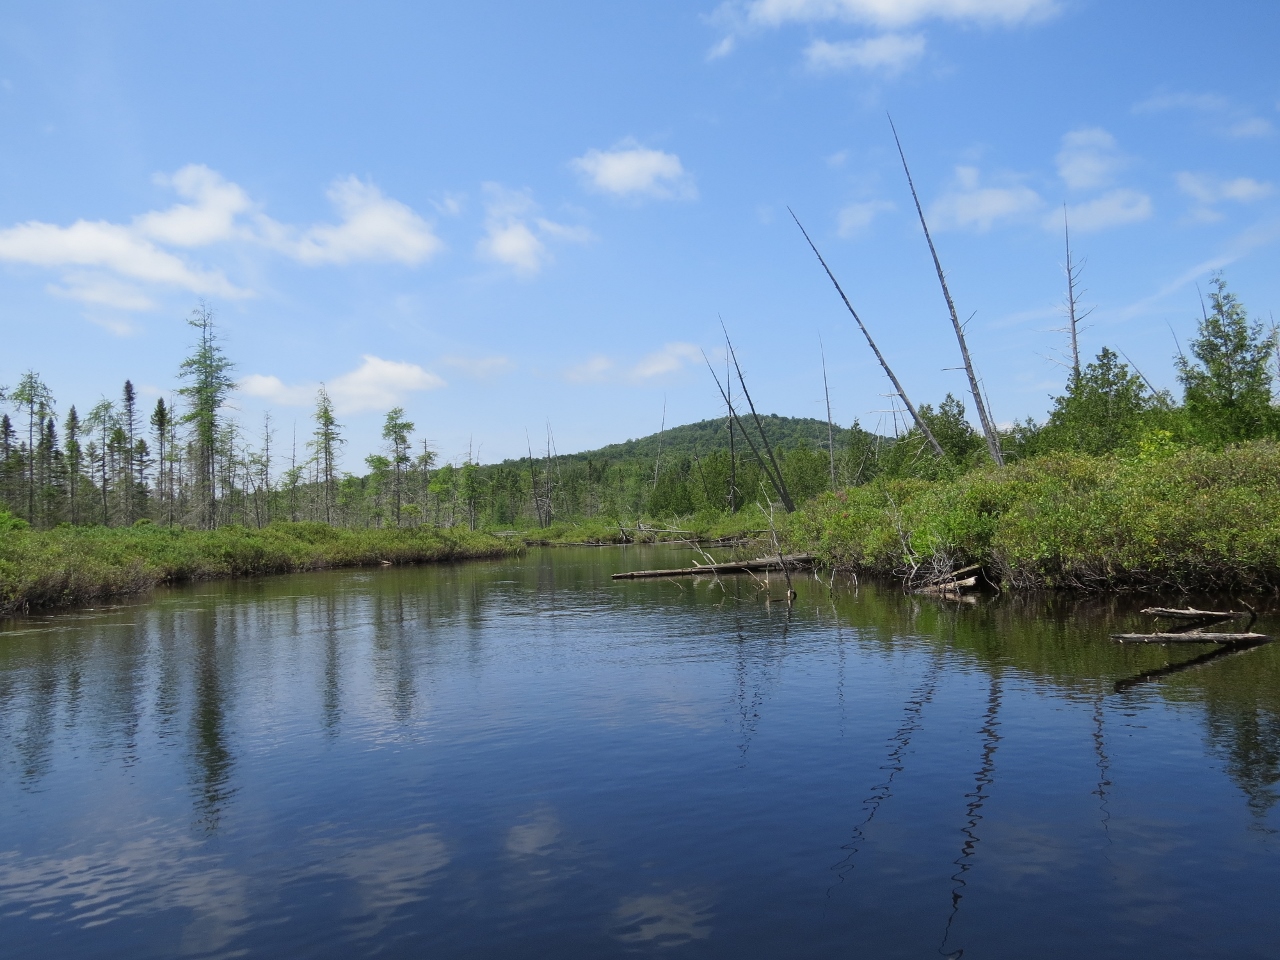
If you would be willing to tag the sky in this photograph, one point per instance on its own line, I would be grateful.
(514, 218)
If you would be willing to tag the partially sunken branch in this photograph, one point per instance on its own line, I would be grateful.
(988, 427)
(902, 394)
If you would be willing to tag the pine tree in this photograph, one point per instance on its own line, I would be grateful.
(1228, 391)
(396, 430)
(325, 443)
(207, 373)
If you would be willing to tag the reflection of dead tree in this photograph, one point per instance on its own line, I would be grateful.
(983, 779)
(984, 417)
(899, 745)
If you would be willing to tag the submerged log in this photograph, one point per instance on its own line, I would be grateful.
(793, 561)
(1191, 637)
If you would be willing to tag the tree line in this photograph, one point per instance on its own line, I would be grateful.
(188, 462)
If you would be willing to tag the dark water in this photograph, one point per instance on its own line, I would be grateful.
(525, 759)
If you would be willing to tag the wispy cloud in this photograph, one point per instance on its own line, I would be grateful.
(670, 359)
(971, 205)
(1113, 209)
(1088, 159)
(514, 233)
(898, 13)
(855, 219)
(628, 169)
(1227, 117)
(890, 54)
(592, 370)
(1208, 191)
(376, 384)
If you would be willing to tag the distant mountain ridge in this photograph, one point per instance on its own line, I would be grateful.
(706, 436)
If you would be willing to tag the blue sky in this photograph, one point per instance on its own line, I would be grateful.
(505, 215)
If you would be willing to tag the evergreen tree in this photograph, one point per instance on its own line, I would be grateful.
(1103, 410)
(326, 440)
(101, 424)
(207, 374)
(1228, 388)
(396, 430)
(32, 396)
(160, 423)
(74, 457)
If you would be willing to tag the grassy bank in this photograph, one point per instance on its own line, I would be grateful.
(72, 566)
(1163, 519)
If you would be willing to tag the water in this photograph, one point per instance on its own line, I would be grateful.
(526, 759)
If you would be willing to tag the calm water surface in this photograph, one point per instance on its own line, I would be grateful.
(526, 759)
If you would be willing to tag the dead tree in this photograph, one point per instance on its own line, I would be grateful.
(988, 426)
(776, 482)
(779, 483)
(902, 394)
(831, 433)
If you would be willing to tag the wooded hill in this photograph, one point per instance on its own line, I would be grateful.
(712, 436)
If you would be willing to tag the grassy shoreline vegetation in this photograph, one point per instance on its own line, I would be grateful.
(68, 566)
(1122, 487)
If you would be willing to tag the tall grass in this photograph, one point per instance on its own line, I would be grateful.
(68, 566)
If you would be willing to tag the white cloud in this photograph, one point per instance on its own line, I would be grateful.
(629, 170)
(898, 13)
(108, 246)
(379, 384)
(376, 384)
(891, 53)
(1113, 209)
(855, 218)
(210, 218)
(1210, 190)
(970, 205)
(101, 290)
(373, 227)
(1088, 159)
(480, 367)
(722, 49)
(215, 211)
(514, 234)
(671, 358)
(272, 388)
(592, 370)
(1232, 120)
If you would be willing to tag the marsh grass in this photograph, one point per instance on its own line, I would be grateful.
(70, 566)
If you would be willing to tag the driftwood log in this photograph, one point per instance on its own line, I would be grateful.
(793, 562)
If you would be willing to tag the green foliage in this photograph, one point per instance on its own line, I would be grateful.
(1103, 410)
(1228, 387)
(68, 565)
(1170, 516)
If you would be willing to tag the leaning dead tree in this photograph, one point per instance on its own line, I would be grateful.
(769, 466)
(897, 387)
(988, 426)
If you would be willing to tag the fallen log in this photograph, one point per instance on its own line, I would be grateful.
(793, 561)
(950, 588)
(1192, 637)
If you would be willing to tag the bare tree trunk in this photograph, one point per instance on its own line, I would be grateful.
(831, 433)
(884, 364)
(988, 427)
